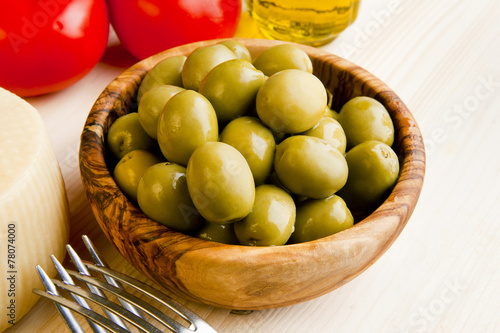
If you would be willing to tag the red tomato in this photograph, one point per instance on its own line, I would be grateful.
(47, 45)
(146, 27)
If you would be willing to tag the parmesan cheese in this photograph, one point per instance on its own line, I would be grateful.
(34, 211)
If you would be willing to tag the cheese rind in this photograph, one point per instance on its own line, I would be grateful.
(34, 212)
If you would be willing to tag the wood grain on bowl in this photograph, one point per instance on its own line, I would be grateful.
(240, 277)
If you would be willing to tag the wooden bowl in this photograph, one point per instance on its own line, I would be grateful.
(243, 277)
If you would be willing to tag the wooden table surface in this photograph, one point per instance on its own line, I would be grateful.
(442, 274)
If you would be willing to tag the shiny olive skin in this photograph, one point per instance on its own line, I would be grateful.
(255, 142)
(363, 119)
(201, 61)
(220, 233)
(126, 134)
(187, 121)
(231, 87)
(291, 101)
(280, 57)
(239, 50)
(331, 131)
(318, 218)
(163, 196)
(220, 183)
(310, 167)
(271, 221)
(373, 170)
(129, 170)
(152, 104)
(167, 71)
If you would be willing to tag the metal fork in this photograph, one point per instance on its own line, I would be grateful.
(130, 309)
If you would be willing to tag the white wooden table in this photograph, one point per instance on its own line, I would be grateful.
(442, 274)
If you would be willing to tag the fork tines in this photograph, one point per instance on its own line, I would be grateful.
(111, 315)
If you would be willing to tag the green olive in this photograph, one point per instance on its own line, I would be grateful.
(187, 121)
(151, 105)
(373, 170)
(364, 119)
(126, 134)
(163, 196)
(271, 221)
(130, 169)
(331, 113)
(255, 142)
(220, 233)
(291, 101)
(239, 50)
(310, 167)
(201, 61)
(274, 180)
(331, 131)
(231, 87)
(167, 71)
(318, 218)
(220, 183)
(280, 57)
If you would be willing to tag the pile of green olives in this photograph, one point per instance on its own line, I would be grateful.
(247, 151)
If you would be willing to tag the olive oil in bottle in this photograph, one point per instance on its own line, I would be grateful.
(310, 22)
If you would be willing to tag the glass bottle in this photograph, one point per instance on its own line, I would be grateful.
(310, 22)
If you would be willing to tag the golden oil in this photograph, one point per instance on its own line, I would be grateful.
(310, 22)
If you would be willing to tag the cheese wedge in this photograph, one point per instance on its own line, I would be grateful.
(34, 212)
